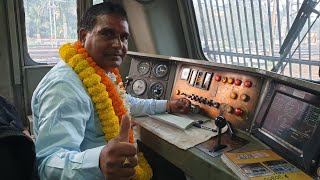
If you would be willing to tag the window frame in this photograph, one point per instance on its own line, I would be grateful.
(264, 59)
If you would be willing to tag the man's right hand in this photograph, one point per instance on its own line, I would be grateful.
(114, 154)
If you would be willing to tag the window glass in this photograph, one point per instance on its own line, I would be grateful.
(49, 24)
(251, 32)
(97, 1)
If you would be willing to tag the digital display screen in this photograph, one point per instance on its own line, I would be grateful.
(199, 78)
(185, 73)
(207, 81)
(291, 121)
(193, 77)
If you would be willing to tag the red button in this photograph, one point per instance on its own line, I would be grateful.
(248, 83)
(237, 82)
(217, 78)
(238, 112)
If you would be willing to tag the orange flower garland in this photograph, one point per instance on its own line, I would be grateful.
(108, 96)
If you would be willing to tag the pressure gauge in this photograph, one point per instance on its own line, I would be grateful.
(139, 86)
(156, 90)
(160, 70)
(143, 67)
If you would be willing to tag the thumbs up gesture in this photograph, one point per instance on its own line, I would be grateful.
(118, 158)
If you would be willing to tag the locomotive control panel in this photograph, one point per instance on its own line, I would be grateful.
(214, 91)
(277, 110)
(218, 92)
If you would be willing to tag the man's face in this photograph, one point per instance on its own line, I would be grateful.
(107, 43)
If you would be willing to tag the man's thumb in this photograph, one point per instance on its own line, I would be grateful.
(125, 128)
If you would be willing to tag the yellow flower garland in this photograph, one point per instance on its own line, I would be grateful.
(77, 58)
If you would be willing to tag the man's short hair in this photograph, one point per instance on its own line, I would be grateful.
(89, 19)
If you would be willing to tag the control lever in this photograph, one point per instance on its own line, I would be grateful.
(220, 122)
(231, 131)
(128, 80)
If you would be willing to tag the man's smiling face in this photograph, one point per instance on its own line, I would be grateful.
(107, 42)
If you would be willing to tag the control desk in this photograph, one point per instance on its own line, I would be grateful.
(267, 110)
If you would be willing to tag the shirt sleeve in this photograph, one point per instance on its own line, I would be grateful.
(142, 107)
(60, 125)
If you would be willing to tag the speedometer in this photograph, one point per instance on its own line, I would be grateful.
(156, 90)
(143, 67)
(139, 86)
(160, 70)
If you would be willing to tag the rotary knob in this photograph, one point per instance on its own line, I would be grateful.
(205, 101)
(192, 97)
(233, 95)
(230, 80)
(196, 98)
(224, 79)
(216, 105)
(195, 109)
(244, 97)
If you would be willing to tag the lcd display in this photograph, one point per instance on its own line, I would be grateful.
(207, 81)
(291, 121)
(199, 79)
(185, 73)
(193, 77)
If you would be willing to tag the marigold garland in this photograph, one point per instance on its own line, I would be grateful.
(107, 95)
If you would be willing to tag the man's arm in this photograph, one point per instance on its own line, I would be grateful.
(60, 120)
(142, 107)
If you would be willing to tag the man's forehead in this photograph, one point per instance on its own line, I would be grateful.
(114, 21)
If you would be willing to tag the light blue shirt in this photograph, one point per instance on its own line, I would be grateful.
(68, 134)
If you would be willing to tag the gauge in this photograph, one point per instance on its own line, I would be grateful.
(160, 70)
(156, 90)
(139, 86)
(143, 67)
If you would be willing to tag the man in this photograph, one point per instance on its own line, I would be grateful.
(70, 142)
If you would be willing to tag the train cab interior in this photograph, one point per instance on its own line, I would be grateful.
(251, 65)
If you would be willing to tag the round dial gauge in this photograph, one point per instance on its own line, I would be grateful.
(139, 86)
(161, 70)
(143, 67)
(156, 90)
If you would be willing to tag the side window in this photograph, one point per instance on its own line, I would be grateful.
(97, 1)
(48, 25)
(251, 32)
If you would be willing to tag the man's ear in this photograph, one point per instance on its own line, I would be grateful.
(82, 35)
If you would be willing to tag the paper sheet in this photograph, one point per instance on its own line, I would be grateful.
(183, 139)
